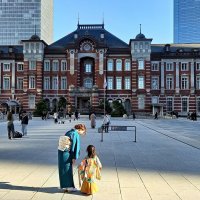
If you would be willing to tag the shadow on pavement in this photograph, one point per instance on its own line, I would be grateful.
(50, 190)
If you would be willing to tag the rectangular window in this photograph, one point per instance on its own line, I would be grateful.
(141, 82)
(155, 100)
(197, 66)
(118, 83)
(6, 83)
(46, 65)
(20, 83)
(63, 83)
(110, 65)
(140, 64)
(110, 83)
(184, 82)
(169, 83)
(32, 102)
(6, 67)
(127, 83)
(184, 66)
(32, 65)
(20, 67)
(55, 66)
(141, 103)
(184, 105)
(31, 82)
(63, 66)
(55, 83)
(154, 83)
(198, 83)
(127, 65)
(169, 104)
(46, 83)
(154, 66)
(169, 67)
(119, 65)
(88, 68)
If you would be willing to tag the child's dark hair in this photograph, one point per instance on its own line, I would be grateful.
(91, 151)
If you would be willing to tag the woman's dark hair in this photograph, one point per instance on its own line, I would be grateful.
(91, 151)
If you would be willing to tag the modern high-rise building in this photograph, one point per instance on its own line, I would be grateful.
(186, 21)
(20, 19)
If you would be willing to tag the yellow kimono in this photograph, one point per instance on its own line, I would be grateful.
(89, 170)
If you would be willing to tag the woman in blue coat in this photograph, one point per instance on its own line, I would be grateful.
(67, 156)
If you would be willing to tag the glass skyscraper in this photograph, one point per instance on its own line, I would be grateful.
(20, 19)
(186, 21)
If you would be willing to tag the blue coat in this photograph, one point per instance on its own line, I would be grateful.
(65, 167)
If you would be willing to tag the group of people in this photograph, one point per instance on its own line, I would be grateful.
(88, 170)
(105, 124)
(76, 116)
(10, 124)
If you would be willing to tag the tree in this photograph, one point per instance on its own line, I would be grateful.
(108, 108)
(118, 109)
(62, 103)
(40, 107)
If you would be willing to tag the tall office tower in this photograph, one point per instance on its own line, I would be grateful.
(20, 19)
(186, 21)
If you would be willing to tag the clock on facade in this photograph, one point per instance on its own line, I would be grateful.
(87, 47)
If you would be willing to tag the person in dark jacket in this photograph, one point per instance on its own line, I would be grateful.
(24, 123)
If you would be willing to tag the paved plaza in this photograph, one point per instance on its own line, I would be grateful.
(164, 163)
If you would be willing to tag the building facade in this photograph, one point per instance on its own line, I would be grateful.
(186, 21)
(144, 77)
(20, 19)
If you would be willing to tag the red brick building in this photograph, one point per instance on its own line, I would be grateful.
(144, 77)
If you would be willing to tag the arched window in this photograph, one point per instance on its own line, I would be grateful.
(127, 65)
(110, 65)
(88, 83)
(118, 65)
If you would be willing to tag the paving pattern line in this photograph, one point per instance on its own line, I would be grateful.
(168, 135)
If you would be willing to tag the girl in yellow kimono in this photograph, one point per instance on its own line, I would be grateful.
(89, 170)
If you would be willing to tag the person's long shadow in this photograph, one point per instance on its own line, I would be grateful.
(50, 190)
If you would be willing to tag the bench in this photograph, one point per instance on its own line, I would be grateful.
(117, 128)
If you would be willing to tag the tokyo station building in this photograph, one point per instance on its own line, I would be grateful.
(144, 77)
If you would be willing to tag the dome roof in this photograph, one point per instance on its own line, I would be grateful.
(35, 37)
(140, 36)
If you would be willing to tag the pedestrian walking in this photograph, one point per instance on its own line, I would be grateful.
(93, 120)
(24, 123)
(10, 126)
(70, 116)
(55, 116)
(106, 122)
(68, 152)
(156, 116)
(76, 115)
(89, 170)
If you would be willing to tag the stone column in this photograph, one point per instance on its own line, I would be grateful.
(162, 78)
(177, 78)
(192, 78)
(72, 61)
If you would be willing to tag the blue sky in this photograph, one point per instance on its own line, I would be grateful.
(121, 17)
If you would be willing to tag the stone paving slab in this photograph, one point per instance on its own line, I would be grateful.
(156, 167)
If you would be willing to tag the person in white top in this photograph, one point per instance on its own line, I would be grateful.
(55, 116)
(106, 122)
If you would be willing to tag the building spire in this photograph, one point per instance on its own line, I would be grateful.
(140, 29)
(78, 18)
(103, 18)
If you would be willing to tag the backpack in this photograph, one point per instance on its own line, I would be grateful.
(17, 135)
